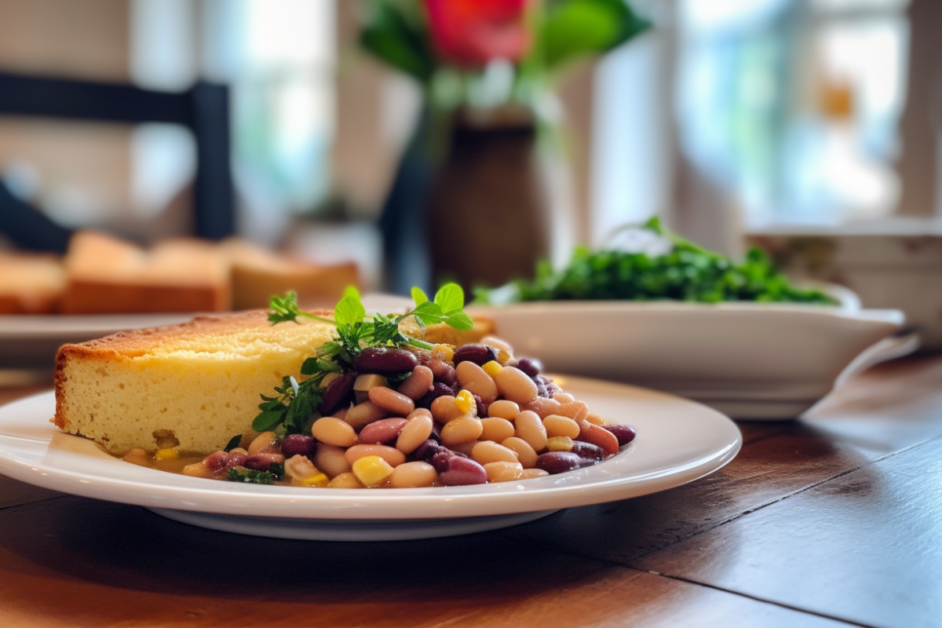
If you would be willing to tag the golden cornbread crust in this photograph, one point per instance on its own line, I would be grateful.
(200, 380)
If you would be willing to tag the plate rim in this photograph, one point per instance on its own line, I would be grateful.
(564, 490)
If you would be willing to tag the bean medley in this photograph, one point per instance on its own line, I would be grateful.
(449, 416)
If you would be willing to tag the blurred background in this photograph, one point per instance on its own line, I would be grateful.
(810, 127)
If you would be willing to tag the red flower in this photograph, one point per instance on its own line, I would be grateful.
(470, 33)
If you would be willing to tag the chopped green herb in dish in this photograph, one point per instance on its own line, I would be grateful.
(655, 265)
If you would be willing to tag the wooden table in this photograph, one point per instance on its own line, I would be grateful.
(834, 520)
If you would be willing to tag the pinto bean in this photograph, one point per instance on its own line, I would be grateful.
(461, 430)
(391, 401)
(473, 379)
(414, 433)
(503, 409)
(487, 451)
(496, 429)
(330, 460)
(382, 431)
(363, 414)
(413, 475)
(444, 409)
(336, 432)
(503, 471)
(391, 455)
(598, 435)
(514, 384)
(418, 384)
(529, 427)
(264, 443)
(525, 453)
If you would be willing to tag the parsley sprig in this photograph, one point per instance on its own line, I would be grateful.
(294, 408)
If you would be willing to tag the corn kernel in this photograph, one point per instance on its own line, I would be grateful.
(372, 470)
(444, 352)
(166, 454)
(318, 480)
(492, 368)
(559, 443)
(464, 402)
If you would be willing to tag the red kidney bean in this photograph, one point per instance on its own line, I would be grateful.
(587, 451)
(551, 388)
(385, 360)
(381, 431)
(440, 459)
(298, 445)
(337, 393)
(216, 461)
(561, 461)
(418, 384)
(427, 450)
(442, 371)
(461, 472)
(438, 390)
(482, 407)
(236, 460)
(530, 366)
(261, 462)
(624, 433)
(479, 354)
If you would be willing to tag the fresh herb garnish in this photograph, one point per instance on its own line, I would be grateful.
(233, 442)
(250, 476)
(295, 406)
(275, 472)
(685, 272)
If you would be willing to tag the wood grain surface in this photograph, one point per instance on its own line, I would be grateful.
(832, 520)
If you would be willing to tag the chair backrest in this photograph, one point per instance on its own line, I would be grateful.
(204, 109)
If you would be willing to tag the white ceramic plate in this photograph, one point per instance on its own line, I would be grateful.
(747, 360)
(31, 342)
(678, 441)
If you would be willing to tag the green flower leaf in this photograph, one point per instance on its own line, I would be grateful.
(576, 28)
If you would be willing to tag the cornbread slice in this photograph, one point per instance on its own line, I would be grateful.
(257, 274)
(106, 275)
(199, 381)
(30, 283)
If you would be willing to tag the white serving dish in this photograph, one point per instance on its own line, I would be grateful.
(747, 360)
(678, 441)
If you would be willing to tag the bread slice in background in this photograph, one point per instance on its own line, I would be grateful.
(30, 283)
(199, 381)
(257, 274)
(106, 275)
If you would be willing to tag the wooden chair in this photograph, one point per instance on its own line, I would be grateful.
(204, 109)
